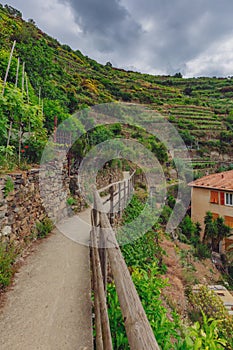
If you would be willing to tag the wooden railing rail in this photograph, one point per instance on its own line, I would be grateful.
(104, 245)
(121, 189)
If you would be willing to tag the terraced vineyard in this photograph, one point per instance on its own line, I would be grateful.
(201, 108)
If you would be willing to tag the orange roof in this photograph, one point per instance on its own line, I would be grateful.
(219, 181)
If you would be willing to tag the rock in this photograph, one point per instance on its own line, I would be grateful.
(2, 214)
(6, 231)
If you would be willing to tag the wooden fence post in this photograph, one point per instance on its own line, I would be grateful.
(125, 197)
(98, 328)
(105, 326)
(103, 257)
(111, 191)
(119, 198)
(138, 329)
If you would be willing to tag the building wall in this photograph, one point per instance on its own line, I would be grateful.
(201, 204)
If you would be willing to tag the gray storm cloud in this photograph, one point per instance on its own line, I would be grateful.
(155, 36)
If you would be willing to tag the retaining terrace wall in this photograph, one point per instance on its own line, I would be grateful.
(23, 207)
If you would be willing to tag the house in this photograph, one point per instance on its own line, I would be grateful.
(213, 193)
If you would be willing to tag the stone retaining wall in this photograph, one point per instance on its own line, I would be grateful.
(22, 207)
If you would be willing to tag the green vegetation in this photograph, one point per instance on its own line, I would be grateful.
(9, 186)
(9, 252)
(138, 255)
(144, 258)
(205, 301)
(44, 227)
(205, 336)
(7, 259)
(215, 231)
(61, 81)
(71, 201)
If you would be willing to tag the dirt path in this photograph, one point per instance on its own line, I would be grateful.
(49, 306)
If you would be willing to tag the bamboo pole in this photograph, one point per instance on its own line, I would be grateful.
(8, 67)
(23, 73)
(27, 91)
(39, 102)
(17, 73)
(20, 141)
(28, 100)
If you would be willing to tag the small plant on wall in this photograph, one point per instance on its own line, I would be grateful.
(9, 187)
(44, 227)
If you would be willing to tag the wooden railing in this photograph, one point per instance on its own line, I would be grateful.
(105, 246)
(120, 193)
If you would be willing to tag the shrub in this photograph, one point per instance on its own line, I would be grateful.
(202, 251)
(205, 336)
(207, 302)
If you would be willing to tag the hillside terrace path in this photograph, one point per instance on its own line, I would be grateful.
(49, 305)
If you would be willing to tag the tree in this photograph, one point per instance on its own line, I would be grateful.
(223, 231)
(210, 229)
(108, 64)
(178, 75)
(13, 12)
(215, 231)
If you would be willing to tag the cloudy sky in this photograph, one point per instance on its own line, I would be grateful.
(152, 36)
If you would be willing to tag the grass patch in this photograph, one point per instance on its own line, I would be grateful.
(7, 258)
(44, 227)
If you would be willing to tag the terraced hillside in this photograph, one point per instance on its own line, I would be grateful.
(66, 80)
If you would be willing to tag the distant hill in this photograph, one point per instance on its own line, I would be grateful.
(66, 80)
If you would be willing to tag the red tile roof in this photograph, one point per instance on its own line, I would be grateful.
(219, 181)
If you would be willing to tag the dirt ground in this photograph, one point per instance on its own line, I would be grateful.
(183, 271)
(48, 306)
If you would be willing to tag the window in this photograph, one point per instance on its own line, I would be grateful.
(228, 198)
(214, 197)
(229, 221)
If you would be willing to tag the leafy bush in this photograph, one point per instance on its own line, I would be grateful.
(149, 286)
(207, 302)
(119, 337)
(202, 337)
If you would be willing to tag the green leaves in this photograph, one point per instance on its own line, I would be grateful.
(205, 337)
(7, 258)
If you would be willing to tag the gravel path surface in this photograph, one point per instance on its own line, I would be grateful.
(49, 306)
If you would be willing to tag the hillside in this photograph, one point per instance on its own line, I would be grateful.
(67, 81)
